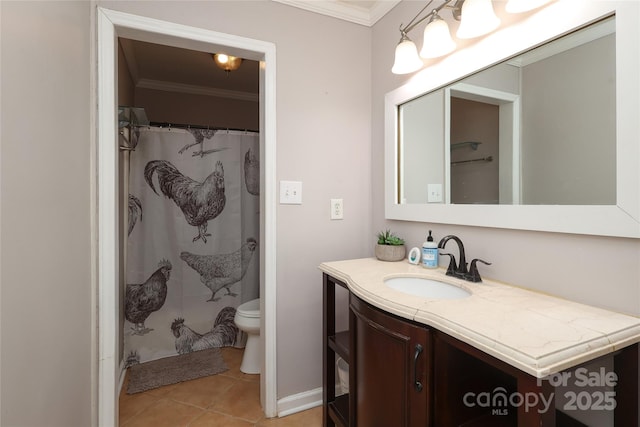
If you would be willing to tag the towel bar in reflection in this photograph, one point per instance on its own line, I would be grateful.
(481, 159)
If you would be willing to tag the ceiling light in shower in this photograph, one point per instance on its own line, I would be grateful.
(227, 62)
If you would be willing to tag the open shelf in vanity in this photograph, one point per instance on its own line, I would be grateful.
(335, 344)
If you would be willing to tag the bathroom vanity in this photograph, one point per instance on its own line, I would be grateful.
(491, 357)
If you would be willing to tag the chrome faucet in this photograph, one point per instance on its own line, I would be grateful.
(460, 270)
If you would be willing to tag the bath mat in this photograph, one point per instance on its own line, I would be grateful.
(175, 369)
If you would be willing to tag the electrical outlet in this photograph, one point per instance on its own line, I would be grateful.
(337, 209)
(290, 192)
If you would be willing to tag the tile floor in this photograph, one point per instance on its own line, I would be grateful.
(229, 399)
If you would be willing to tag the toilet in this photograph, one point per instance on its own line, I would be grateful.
(248, 320)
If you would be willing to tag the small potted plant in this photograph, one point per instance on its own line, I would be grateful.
(390, 247)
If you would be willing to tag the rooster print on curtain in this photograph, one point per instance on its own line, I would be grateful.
(252, 172)
(223, 333)
(135, 212)
(221, 271)
(143, 299)
(199, 135)
(202, 217)
(199, 201)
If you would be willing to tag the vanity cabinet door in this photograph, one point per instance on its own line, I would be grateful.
(391, 369)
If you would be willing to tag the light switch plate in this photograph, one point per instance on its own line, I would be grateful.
(434, 193)
(290, 192)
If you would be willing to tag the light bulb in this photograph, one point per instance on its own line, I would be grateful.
(407, 59)
(227, 62)
(478, 18)
(437, 39)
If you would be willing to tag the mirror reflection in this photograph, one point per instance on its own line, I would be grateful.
(538, 129)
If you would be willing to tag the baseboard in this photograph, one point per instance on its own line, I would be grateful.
(299, 402)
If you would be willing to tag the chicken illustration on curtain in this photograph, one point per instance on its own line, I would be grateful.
(192, 246)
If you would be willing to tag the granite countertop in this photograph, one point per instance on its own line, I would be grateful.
(537, 333)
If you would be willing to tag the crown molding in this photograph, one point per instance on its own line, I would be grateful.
(348, 11)
(196, 90)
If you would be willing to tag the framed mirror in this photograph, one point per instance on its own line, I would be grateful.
(528, 128)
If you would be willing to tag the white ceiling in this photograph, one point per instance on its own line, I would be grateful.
(167, 68)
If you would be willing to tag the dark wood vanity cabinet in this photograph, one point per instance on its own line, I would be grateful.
(403, 373)
(391, 369)
(389, 366)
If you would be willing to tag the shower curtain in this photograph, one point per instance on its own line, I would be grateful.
(192, 248)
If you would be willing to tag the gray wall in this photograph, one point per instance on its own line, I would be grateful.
(422, 133)
(582, 169)
(173, 107)
(45, 210)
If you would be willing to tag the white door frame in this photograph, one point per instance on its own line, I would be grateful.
(111, 25)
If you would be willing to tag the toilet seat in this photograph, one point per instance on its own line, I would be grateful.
(250, 309)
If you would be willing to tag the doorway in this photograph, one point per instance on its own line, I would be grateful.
(111, 25)
(508, 144)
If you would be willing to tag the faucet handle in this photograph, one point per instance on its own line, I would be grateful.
(451, 270)
(474, 275)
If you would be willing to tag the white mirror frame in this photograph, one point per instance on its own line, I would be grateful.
(558, 18)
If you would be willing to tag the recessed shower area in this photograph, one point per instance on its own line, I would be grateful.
(115, 88)
(189, 179)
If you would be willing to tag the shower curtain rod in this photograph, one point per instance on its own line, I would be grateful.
(183, 126)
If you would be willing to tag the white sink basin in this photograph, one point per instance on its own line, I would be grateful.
(426, 288)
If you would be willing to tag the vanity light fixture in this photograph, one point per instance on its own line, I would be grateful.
(227, 62)
(476, 19)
